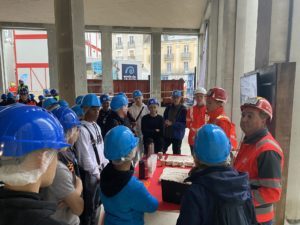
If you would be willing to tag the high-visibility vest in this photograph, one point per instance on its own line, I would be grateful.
(195, 118)
(267, 190)
(232, 133)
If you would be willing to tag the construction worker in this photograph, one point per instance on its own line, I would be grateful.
(218, 194)
(24, 97)
(66, 188)
(215, 100)
(4, 100)
(153, 127)
(21, 85)
(196, 115)
(104, 112)
(137, 110)
(31, 98)
(63, 103)
(175, 123)
(41, 99)
(10, 99)
(54, 94)
(50, 104)
(124, 197)
(79, 99)
(29, 145)
(118, 115)
(261, 156)
(91, 160)
(78, 110)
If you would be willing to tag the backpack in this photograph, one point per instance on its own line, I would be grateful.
(233, 138)
(240, 213)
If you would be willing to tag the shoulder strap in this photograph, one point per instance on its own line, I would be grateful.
(140, 114)
(93, 144)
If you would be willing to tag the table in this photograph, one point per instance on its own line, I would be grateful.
(154, 187)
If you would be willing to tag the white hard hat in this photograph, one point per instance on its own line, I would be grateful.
(200, 90)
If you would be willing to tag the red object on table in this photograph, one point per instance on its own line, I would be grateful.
(154, 187)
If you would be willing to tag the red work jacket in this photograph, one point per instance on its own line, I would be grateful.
(266, 189)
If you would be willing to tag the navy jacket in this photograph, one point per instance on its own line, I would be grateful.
(199, 201)
(180, 123)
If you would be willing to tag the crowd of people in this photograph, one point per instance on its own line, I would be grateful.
(58, 164)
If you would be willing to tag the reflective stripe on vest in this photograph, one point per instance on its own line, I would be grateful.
(264, 210)
(258, 197)
(266, 183)
(261, 143)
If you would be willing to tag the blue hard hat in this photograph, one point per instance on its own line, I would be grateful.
(118, 102)
(41, 97)
(29, 128)
(177, 93)
(137, 93)
(67, 117)
(63, 103)
(10, 95)
(78, 110)
(119, 142)
(153, 101)
(53, 92)
(3, 96)
(31, 96)
(90, 100)
(212, 145)
(79, 99)
(46, 92)
(104, 98)
(49, 102)
(23, 91)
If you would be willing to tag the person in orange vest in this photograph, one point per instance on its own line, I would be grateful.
(195, 117)
(261, 156)
(216, 98)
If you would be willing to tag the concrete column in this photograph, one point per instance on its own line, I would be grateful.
(69, 24)
(155, 78)
(272, 30)
(212, 45)
(106, 48)
(52, 55)
(2, 74)
(293, 194)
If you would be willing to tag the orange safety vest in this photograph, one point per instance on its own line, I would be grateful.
(232, 134)
(195, 118)
(269, 190)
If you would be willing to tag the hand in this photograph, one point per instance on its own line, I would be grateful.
(61, 204)
(78, 185)
(168, 123)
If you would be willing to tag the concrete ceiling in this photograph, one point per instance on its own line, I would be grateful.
(130, 13)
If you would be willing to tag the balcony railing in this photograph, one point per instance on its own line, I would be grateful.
(131, 44)
(185, 56)
(169, 57)
(119, 45)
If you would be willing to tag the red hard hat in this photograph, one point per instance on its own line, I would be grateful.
(218, 94)
(259, 103)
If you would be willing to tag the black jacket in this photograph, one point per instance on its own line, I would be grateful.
(209, 186)
(114, 120)
(25, 208)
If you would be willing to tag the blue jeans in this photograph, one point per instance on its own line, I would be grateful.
(267, 223)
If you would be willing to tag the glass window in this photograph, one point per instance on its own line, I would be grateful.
(186, 48)
(186, 66)
(93, 55)
(25, 56)
(131, 61)
(169, 50)
(169, 67)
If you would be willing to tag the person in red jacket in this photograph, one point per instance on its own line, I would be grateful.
(215, 101)
(261, 156)
(195, 117)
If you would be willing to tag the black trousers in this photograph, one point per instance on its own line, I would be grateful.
(91, 193)
(176, 145)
